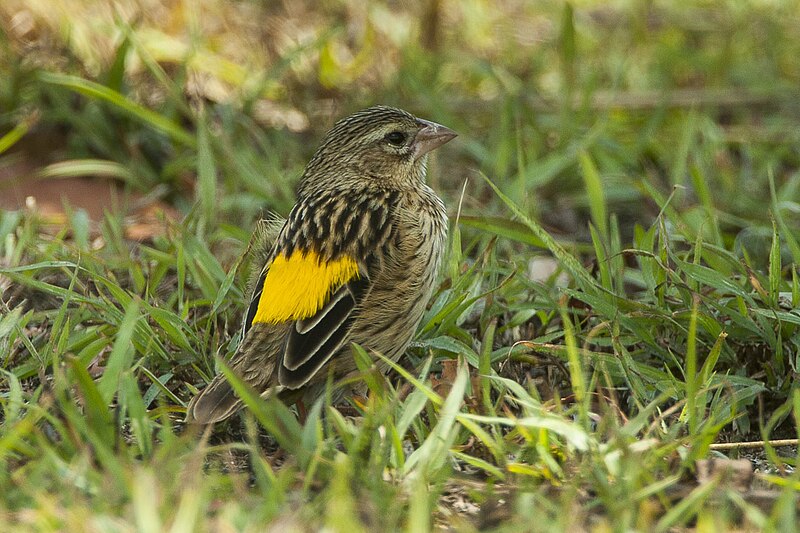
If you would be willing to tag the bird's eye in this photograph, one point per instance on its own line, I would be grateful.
(397, 138)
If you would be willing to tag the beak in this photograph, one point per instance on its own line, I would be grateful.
(430, 137)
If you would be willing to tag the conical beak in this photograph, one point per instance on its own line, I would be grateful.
(431, 137)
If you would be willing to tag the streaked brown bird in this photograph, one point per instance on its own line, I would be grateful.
(355, 262)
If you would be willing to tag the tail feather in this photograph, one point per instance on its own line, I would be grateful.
(218, 401)
(214, 403)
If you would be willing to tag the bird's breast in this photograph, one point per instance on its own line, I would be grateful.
(413, 254)
(404, 281)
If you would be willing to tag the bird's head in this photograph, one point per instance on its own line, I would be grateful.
(385, 145)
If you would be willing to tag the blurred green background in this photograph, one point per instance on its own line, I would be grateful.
(650, 94)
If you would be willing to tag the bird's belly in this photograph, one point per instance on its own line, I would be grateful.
(394, 307)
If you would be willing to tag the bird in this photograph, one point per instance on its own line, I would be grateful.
(355, 261)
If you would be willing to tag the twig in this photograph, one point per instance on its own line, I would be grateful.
(676, 98)
(753, 444)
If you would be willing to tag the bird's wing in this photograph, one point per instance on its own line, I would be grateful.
(318, 298)
(314, 340)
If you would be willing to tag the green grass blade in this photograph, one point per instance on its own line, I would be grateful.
(101, 92)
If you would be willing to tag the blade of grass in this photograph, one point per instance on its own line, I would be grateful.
(95, 90)
(567, 260)
(121, 355)
(594, 193)
(775, 266)
(432, 454)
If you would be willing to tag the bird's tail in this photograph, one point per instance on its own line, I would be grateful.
(214, 403)
(218, 400)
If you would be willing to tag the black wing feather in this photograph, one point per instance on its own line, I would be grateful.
(313, 341)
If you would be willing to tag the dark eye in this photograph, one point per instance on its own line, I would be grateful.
(397, 138)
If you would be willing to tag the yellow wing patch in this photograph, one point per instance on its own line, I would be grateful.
(298, 286)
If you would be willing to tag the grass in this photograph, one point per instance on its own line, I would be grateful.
(653, 165)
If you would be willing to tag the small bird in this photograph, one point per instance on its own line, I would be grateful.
(355, 262)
